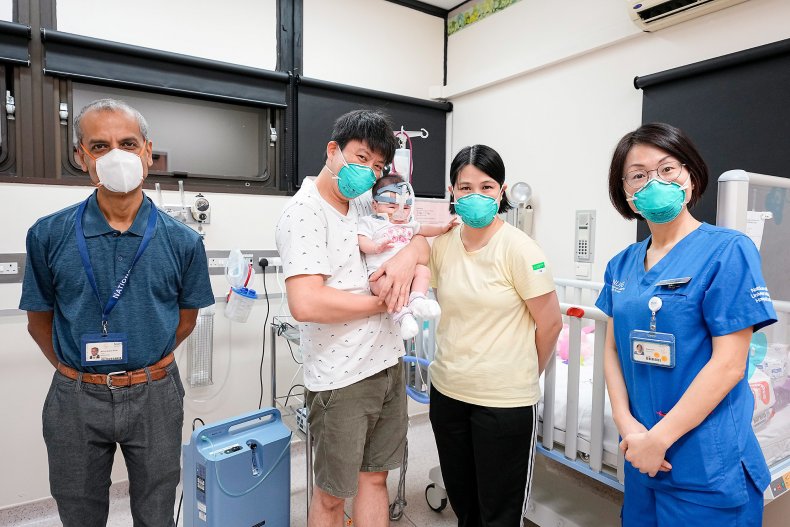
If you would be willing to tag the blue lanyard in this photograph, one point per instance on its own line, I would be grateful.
(86, 262)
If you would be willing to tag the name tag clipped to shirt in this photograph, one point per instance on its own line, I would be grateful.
(673, 283)
(653, 347)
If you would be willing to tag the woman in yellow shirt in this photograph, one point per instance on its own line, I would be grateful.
(500, 322)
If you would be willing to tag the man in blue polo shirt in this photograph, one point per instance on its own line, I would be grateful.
(112, 286)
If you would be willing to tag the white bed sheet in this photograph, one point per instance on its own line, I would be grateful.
(774, 438)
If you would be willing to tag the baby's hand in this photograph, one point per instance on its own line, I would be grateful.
(449, 226)
(384, 245)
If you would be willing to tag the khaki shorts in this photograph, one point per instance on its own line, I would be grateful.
(359, 428)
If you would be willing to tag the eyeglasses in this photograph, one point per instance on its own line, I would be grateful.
(667, 172)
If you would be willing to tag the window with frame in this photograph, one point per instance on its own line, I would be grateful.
(214, 125)
(204, 143)
(14, 64)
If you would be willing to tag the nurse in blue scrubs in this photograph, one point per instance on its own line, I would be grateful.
(683, 305)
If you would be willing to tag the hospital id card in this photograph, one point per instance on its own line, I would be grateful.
(653, 348)
(99, 349)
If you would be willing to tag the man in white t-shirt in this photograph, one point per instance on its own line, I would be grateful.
(355, 388)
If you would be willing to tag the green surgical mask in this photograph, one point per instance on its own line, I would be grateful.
(477, 210)
(659, 201)
(353, 179)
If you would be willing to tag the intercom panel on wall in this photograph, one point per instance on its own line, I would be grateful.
(584, 246)
(585, 236)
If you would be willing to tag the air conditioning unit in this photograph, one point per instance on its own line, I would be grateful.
(652, 15)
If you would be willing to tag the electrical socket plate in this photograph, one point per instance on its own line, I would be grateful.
(217, 259)
(274, 261)
(217, 262)
(9, 268)
(12, 268)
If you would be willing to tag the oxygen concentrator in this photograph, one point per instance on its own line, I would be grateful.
(237, 472)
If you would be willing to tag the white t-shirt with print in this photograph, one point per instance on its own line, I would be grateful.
(377, 228)
(313, 238)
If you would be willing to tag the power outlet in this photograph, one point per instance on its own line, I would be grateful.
(12, 268)
(217, 262)
(273, 261)
(583, 270)
(9, 268)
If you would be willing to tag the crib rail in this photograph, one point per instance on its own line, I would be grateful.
(576, 304)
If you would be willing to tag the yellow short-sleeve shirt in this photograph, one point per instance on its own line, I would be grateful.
(486, 351)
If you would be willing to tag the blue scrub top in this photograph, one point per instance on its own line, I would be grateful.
(172, 274)
(726, 293)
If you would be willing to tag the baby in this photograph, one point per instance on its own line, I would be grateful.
(389, 230)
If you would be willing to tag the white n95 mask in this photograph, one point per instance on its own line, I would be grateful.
(120, 171)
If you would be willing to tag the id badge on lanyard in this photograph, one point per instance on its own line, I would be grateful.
(107, 348)
(99, 349)
(653, 347)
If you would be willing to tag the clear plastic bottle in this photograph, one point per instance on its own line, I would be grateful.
(240, 302)
(239, 273)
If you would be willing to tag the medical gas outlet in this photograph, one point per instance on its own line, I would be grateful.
(197, 212)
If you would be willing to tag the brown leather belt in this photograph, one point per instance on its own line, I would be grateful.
(120, 379)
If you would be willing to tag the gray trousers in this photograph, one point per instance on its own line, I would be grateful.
(84, 423)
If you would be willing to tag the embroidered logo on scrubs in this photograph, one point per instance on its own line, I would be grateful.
(760, 294)
(539, 268)
(618, 286)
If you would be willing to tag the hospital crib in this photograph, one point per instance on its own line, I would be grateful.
(575, 422)
(756, 204)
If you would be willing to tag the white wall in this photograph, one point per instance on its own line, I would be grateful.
(242, 221)
(373, 44)
(7, 10)
(555, 112)
(240, 32)
(529, 35)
